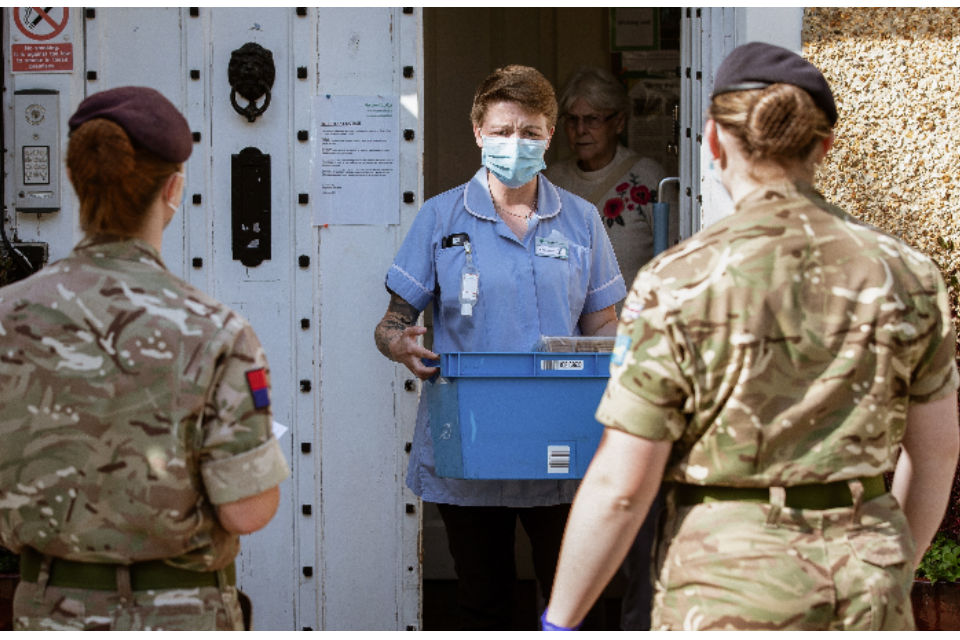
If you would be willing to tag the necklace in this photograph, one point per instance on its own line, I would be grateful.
(501, 210)
(515, 215)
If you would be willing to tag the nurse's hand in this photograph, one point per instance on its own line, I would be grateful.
(397, 337)
(407, 350)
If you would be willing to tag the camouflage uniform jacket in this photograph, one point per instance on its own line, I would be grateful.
(781, 346)
(131, 403)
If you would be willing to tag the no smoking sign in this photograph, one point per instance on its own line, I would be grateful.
(47, 47)
(41, 23)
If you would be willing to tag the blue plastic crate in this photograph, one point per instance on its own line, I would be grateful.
(516, 415)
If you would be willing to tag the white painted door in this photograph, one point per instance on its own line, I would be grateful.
(343, 550)
(369, 548)
(185, 57)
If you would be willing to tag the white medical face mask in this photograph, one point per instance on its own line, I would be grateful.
(712, 174)
(173, 205)
(714, 192)
(514, 161)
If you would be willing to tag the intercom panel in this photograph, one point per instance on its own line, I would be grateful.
(37, 151)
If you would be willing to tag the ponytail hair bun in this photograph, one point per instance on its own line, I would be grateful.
(778, 124)
(782, 122)
(100, 152)
(115, 178)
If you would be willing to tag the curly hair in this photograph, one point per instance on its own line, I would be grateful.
(115, 179)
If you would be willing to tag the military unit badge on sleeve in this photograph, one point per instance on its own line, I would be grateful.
(257, 381)
(620, 348)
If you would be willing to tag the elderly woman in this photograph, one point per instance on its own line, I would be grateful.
(504, 259)
(772, 368)
(594, 109)
(136, 426)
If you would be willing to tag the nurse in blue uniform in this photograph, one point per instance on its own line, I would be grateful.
(506, 258)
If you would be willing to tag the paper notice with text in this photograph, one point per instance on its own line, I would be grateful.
(356, 162)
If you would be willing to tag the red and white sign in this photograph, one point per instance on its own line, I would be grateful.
(40, 41)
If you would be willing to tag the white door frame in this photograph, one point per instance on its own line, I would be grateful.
(708, 34)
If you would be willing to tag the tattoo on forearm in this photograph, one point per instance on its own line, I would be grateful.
(400, 315)
(404, 311)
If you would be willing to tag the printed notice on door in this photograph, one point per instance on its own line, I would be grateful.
(356, 167)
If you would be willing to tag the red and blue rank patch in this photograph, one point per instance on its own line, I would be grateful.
(257, 381)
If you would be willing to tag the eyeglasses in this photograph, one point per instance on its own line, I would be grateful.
(590, 122)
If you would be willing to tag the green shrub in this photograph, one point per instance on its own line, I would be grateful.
(941, 562)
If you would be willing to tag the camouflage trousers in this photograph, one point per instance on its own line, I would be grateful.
(38, 606)
(750, 565)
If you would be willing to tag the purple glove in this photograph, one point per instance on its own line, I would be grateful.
(549, 626)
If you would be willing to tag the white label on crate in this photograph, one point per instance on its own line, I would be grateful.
(561, 365)
(558, 458)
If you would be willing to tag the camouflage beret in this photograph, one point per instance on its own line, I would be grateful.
(757, 65)
(149, 119)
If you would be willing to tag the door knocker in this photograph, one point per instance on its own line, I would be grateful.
(251, 73)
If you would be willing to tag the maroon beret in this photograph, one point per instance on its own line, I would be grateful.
(756, 65)
(150, 120)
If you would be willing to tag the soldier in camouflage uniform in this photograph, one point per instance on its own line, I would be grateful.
(771, 368)
(134, 409)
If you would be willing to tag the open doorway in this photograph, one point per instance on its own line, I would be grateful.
(462, 46)
(641, 47)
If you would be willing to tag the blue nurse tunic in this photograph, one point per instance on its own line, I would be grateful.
(540, 285)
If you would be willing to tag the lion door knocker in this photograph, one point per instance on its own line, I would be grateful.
(251, 74)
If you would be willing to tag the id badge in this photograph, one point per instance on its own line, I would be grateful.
(551, 248)
(469, 287)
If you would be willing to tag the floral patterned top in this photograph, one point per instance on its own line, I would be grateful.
(626, 206)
